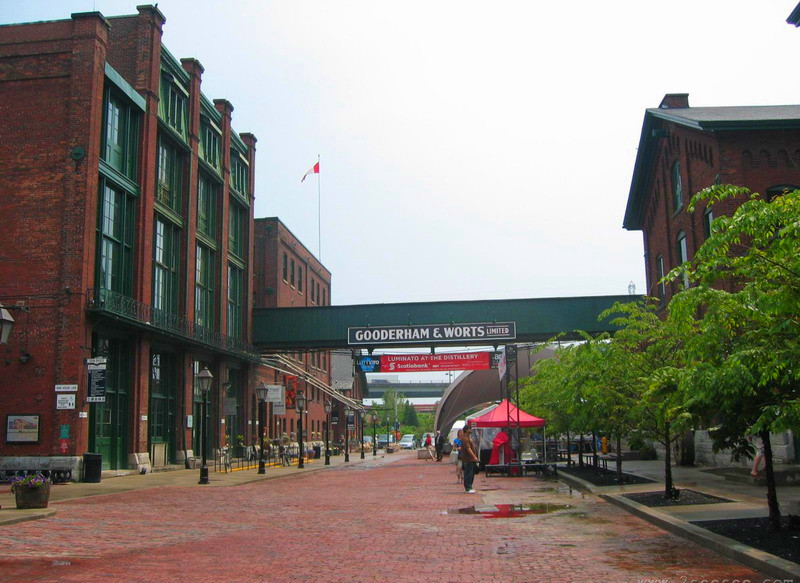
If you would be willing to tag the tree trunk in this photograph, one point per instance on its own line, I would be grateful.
(772, 495)
(668, 486)
(569, 451)
(580, 451)
(594, 449)
(619, 458)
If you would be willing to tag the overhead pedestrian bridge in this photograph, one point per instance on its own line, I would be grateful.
(431, 324)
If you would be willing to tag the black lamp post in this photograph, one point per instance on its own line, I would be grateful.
(374, 419)
(204, 379)
(301, 406)
(387, 433)
(361, 414)
(346, 433)
(327, 431)
(261, 395)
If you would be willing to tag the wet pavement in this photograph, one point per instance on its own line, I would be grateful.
(390, 518)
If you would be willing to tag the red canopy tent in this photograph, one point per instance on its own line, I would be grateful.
(505, 415)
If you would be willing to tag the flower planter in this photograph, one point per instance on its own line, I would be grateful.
(32, 497)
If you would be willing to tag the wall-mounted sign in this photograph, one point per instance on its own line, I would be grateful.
(279, 408)
(488, 332)
(97, 380)
(229, 406)
(22, 428)
(425, 362)
(65, 401)
(66, 388)
(274, 393)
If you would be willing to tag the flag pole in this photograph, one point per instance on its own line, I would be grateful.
(319, 212)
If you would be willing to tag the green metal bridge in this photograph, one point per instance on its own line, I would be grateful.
(534, 320)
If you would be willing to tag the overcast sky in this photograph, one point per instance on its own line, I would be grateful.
(470, 150)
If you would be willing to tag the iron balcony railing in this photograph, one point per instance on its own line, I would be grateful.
(103, 300)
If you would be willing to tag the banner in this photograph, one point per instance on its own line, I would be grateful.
(425, 362)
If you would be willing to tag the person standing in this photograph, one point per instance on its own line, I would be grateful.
(470, 459)
(439, 445)
(457, 442)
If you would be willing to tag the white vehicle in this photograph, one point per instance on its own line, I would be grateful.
(407, 441)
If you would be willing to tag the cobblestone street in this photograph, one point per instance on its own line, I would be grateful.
(385, 519)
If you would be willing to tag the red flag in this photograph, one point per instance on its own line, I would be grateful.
(314, 170)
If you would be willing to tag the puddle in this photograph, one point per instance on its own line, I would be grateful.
(562, 491)
(509, 510)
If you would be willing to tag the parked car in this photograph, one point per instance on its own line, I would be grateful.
(407, 441)
(382, 440)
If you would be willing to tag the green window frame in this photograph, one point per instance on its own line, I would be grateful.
(683, 255)
(285, 267)
(239, 174)
(677, 187)
(291, 272)
(115, 238)
(169, 175)
(235, 280)
(166, 261)
(173, 106)
(210, 145)
(120, 134)
(204, 311)
(299, 279)
(236, 223)
(207, 207)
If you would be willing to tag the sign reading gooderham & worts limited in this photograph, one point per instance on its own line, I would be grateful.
(489, 332)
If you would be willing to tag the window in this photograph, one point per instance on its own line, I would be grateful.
(170, 175)
(235, 277)
(708, 218)
(291, 272)
(285, 267)
(324, 297)
(116, 239)
(659, 277)
(300, 279)
(209, 145)
(236, 222)
(172, 107)
(683, 256)
(165, 266)
(121, 135)
(239, 174)
(677, 187)
(313, 292)
(774, 191)
(204, 288)
(207, 207)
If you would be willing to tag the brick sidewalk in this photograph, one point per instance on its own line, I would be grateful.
(369, 521)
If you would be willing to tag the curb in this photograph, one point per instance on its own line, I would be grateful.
(746, 555)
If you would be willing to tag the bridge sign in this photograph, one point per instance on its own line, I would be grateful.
(489, 332)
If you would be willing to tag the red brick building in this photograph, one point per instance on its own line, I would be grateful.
(684, 149)
(288, 275)
(127, 205)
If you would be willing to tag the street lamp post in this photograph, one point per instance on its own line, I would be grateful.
(204, 379)
(374, 419)
(361, 414)
(327, 431)
(301, 406)
(346, 433)
(261, 394)
(387, 433)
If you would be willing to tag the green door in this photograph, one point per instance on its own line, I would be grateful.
(108, 421)
(163, 388)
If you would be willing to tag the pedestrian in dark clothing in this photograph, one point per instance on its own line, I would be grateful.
(470, 459)
(439, 445)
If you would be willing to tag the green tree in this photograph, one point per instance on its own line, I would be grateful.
(744, 371)
(409, 416)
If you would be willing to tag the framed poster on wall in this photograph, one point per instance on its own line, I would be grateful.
(22, 428)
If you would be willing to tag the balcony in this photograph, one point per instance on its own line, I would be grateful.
(109, 303)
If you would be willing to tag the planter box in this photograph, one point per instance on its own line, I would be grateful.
(32, 497)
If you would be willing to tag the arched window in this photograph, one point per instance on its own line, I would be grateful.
(677, 187)
(683, 255)
(778, 190)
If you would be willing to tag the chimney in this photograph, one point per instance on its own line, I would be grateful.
(675, 101)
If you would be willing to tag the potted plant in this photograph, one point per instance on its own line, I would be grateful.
(31, 491)
(240, 448)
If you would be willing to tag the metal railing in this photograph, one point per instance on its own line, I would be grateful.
(103, 300)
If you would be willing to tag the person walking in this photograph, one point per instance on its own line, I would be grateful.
(429, 447)
(470, 459)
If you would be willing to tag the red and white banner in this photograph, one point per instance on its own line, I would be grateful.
(427, 362)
